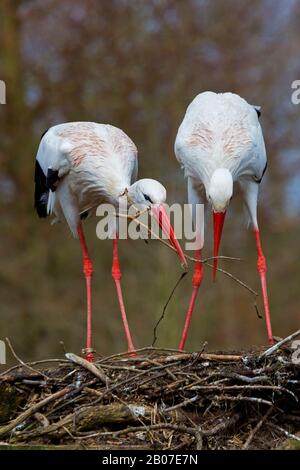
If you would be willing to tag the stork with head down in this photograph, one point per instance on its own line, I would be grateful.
(80, 165)
(220, 143)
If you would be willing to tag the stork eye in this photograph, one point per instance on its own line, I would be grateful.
(147, 198)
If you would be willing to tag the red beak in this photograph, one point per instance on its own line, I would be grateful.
(163, 221)
(219, 218)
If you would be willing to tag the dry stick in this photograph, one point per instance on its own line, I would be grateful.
(232, 375)
(165, 308)
(33, 363)
(181, 404)
(46, 430)
(276, 346)
(92, 391)
(197, 356)
(257, 428)
(123, 355)
(68, 419)
(235, 279)
(157, 237)
(129, 368)
(211, 258)
(22, 362)
(126, 381)
(245, 378)
(222, 426)
(21, 376)
(288, 434)
(203, 356)
(241, 283)
(145, 372)
(197, 433)
(153, 362)
(239, 398)
(179, 355)
(203, 260)
(89, 366)
(60, 405)
(275, 388)
(41, 419)
(33, 409)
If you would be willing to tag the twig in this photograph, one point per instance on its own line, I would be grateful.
(89, 366)
(288, 434)
(33, 409)
(127, 381)
(42, 383)
(233, 375)
(257, 428)
(181, 404)
(235, 279)
(155, 363)
(276, 346)
(165, 308)
(24, 435)
(177, 352)
(152, 427)
(190, 356)
(34, 363)
(153, 234)
(22, 362)
(225, 423)
(219, 257)
(205, 260)
(41, 419)
(197, 356)
(249, 380)
(130, 358)
(129, 368)
(157, 237)
(274, 388)
(241, 398)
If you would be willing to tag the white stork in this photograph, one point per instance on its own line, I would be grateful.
(80, 165)
(220, 143)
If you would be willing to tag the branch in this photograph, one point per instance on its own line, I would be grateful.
(276, 346)
(22, 362)
(33, 409)
(257, 428)
(88, 366)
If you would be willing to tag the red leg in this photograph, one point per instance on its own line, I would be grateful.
(88, 271)
(196, 281)
(262, 269)
(116, 274)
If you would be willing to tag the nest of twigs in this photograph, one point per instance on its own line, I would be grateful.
(157, 399)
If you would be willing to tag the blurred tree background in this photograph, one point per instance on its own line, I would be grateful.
(137, 64)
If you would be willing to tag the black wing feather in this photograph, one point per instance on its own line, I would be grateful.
(41, 191)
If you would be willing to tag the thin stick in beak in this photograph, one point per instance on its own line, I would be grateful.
(162, 218)
(219, 218)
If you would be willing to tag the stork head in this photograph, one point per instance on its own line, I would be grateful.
(220, 189)
(151, 193)
(219, 195)
(147, 192)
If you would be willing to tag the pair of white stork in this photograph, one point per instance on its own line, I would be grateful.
(219, 144)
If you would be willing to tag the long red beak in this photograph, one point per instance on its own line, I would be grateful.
(163, 221)
(219, 218)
